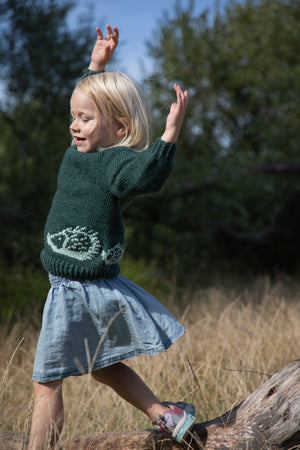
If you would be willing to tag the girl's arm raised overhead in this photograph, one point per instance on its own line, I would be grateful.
(104, 48)
(176, 115)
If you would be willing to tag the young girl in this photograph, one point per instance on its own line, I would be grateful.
(93, 317)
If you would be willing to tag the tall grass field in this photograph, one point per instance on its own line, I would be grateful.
(237, 336)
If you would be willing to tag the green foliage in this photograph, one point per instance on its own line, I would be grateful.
(234, 195)
(22, 292)
(144, 274)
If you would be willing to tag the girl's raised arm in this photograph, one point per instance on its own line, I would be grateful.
(176, 115)
(104, 48)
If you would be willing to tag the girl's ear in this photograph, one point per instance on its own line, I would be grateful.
(122, 128)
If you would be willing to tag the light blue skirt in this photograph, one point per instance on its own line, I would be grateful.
(92, 324)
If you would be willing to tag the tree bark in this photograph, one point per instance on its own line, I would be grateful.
(268, 419)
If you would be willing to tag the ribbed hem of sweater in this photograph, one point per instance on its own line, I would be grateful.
(77, 271)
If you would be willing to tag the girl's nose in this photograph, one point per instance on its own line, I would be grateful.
(74, 125)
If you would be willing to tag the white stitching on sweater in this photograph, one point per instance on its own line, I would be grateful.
(83, 244)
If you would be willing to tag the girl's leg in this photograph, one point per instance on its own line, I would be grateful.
(126, 383)
(48, 415)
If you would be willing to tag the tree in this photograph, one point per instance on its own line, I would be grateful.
(235, 192)
(40, 61)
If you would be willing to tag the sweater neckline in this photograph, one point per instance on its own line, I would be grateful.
(75, 151)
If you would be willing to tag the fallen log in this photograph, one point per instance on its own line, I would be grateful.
(268, 419)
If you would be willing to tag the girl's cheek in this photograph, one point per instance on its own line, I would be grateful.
(88, 125)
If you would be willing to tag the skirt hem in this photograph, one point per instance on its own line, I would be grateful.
(101, 364)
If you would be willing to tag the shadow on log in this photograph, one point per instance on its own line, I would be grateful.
(268, 419)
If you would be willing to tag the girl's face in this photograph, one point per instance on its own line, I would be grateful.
(87, 130)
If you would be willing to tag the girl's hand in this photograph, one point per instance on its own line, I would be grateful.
(176, 115)
(104, 48)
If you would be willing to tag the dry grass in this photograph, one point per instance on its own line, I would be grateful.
(236, 338)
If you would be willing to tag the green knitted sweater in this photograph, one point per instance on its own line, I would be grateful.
(84, 232)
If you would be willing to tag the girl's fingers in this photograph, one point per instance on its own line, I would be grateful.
(116, 32)
(109, 30)
(182, 97)
(173, 107)
(99, 34)
(112, 33)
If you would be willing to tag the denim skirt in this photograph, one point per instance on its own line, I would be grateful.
(92, 324)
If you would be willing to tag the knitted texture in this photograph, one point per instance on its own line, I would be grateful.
(84, 232)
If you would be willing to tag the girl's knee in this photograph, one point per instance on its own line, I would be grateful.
(54, 386)
(106, 375)
(100, 375)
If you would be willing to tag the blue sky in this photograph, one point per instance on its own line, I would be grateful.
(137, 21)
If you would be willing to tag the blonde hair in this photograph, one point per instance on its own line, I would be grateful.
(120, 99)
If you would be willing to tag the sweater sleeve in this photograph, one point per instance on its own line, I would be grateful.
(133, 173)
(87, 72)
